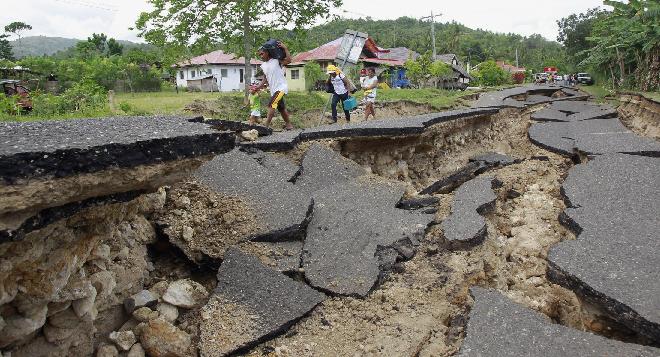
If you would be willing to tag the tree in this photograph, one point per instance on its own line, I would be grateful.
(17, 28)
(239, 25)
(626, 43)
(98, 40)
(490, 74)
(439, 70)
(114, 48)
(574, 30)
(5, 48)
(313, 74)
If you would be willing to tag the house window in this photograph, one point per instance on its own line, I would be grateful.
(241, 73)
(192, 74)
(223, 73)
(295, 74)
(181, 74)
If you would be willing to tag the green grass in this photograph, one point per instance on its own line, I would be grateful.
(598, 92)
(230, 105)
(438, 99)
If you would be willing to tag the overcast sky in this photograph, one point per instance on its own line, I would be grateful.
(80, 18)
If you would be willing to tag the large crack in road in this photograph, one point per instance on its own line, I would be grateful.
(436, 235)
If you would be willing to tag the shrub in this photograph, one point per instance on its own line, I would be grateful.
(9, 105)
(46, 104)
(490, 74)
(313, 74)
(518, 77)
(84, 95)
(125, 107)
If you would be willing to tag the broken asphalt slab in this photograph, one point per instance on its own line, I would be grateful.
(352, 223)
(281, 208)
(593, 137)
(499, 327)
(62, 148)
(613, 203)
(322, 167)
(476, 165)
(466, 223)
(251, 304)
(234, 125)
(549, 114)
(414, 125)
(506, 97)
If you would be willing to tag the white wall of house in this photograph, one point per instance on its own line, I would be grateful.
(228, 77)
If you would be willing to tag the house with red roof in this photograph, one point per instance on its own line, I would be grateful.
(324, 55)
(214, 71)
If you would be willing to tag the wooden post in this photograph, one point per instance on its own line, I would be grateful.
(111, 100)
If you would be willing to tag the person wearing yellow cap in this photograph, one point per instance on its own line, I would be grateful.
(339, 85)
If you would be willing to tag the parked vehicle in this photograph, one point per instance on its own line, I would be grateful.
(540, 77)
(585, 78)
(11, 87)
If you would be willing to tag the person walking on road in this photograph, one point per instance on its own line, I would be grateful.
(274, 78)
(340, 85)
(370, 86)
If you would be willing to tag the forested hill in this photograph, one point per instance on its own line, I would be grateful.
(479, 45)
(46, 45)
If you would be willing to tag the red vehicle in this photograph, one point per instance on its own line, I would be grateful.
(12, 87)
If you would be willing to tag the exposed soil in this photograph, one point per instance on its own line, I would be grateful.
(203, 223)
(640, 114)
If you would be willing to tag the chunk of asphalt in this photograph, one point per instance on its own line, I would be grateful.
(504, 97)
(282, 208)
(418, 202)
(258, 301)
(552, 137)
(598, 143)
(466, 224)
(449, 183)
(596, 113)
(573, 106)
(549, 114)
(493, 159)
(352, 222)
(322, 167)
(235, 126)
(499, 327)
(277, 164)
(476, 165)
(60, 148)
(281, 141)
(614, 261)
(370, 128)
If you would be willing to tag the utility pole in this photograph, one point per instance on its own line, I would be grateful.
(432, 17)
(517, 56)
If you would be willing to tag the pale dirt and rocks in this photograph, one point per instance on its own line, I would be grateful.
(640, 114)
(204, 223)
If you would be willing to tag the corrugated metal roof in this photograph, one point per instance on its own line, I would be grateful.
(399, 53)
(216, 57)
(325, 52)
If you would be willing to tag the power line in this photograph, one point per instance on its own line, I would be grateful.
(88, 4)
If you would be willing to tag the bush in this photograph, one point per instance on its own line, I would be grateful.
(46, 104)
(313, 74)
(125, 107)
(518, 77)
(490, 74)
(82, 96)
(9, 105)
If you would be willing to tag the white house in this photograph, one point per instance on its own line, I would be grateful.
(225, 70)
